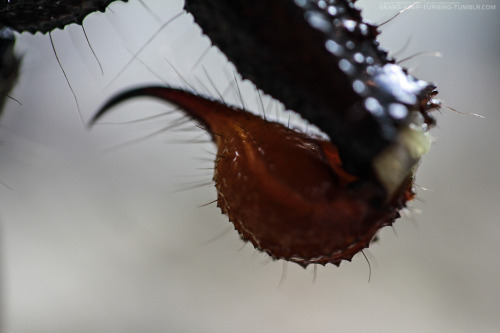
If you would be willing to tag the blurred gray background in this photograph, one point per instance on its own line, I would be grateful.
(97, 240)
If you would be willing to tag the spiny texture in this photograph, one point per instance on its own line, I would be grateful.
(322, 60)
(46, 15)
(285, 192)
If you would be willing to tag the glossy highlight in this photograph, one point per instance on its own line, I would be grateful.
(321, 60)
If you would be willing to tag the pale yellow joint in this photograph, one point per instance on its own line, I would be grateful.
(399, 161)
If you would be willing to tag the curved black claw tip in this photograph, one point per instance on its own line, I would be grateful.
(135, 92)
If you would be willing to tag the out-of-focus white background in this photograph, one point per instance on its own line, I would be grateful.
(100, 241)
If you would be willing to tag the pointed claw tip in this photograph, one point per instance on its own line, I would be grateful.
(121, 97)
